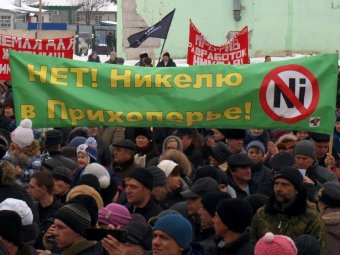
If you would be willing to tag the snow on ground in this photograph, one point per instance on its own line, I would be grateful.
(183, 62)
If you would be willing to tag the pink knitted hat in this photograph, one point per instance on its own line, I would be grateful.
(115, 214)
(271, 244)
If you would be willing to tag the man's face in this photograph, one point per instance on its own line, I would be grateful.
(284, 190)
(321, 149)
(135, 191)
(163, 244)
(206, 218)
(193, 205)
(242, 174)
(64, 235)
(220, 228)
(158, 192)
(121, 155)
(303, 162)
(255, 155)
(186, 141)
(60, 187)
(235, 145)
(36, 192)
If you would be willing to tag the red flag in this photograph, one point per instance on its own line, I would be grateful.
(202, 52)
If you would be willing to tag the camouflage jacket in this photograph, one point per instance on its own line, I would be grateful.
(309, 222)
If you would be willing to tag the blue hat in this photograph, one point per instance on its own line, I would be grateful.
(177, 227)
(258, 144)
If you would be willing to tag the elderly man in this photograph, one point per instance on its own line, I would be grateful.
(305, 158)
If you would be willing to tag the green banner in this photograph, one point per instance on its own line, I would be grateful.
(294, 94)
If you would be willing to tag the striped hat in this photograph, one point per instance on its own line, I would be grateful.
(74, 216)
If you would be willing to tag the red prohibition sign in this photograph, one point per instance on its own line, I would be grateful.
(273, 77)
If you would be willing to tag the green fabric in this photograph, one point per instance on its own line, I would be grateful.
(63, 92)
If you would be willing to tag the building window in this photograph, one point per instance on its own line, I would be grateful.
(97, 19)
(20, 18)
(5, 21)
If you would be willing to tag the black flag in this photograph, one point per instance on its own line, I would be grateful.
(159, 30)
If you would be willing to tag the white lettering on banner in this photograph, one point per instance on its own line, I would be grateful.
(4, 68)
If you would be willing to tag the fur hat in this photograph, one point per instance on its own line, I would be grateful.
(85, 190)
(20, 207)
(319, 138)
(146, 132)
(271, 244)
(234, 133)
(89, 148)
(235, 213)
(53, 137)
(100, 172)
(23, 135)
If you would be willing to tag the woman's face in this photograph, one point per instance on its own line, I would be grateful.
(171, 145)
(142, 141)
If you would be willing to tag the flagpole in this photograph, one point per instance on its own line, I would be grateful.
(160, 55)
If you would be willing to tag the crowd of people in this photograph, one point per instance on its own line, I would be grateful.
(166, 191)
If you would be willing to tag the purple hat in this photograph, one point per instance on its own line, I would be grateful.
(115, 214)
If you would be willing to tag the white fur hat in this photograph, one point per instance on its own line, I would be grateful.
(100, 172)
(167, 166)
(20, 207)
(23, 134)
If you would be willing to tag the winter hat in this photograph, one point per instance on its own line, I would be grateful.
(306, 148)
(307, 245)
(280, 160)
(146, 132)
(239, 160)
(235, 213)
(51, 163)
(256, 201)
(100, 172)
(177, 227)
(329, 194)
(172, 138)
(53, 137)
(291, 174)
(20, 207)
(89, 203)
(74, 216)
(143, 176)
(200, 188)
(159, 177)
(11, 226)
(139, 233)
(89, 180)
(85, 190)
(271, 244)
(126, 144)
(115, 214)
(76, 141)
(257, 144)
(209, 171)
(89, 148)
(211, 200)
(319, 138)
(185, 131)
(234, 133)
(167, 166)
(220, 152)
(62, 173)
(23, 135)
